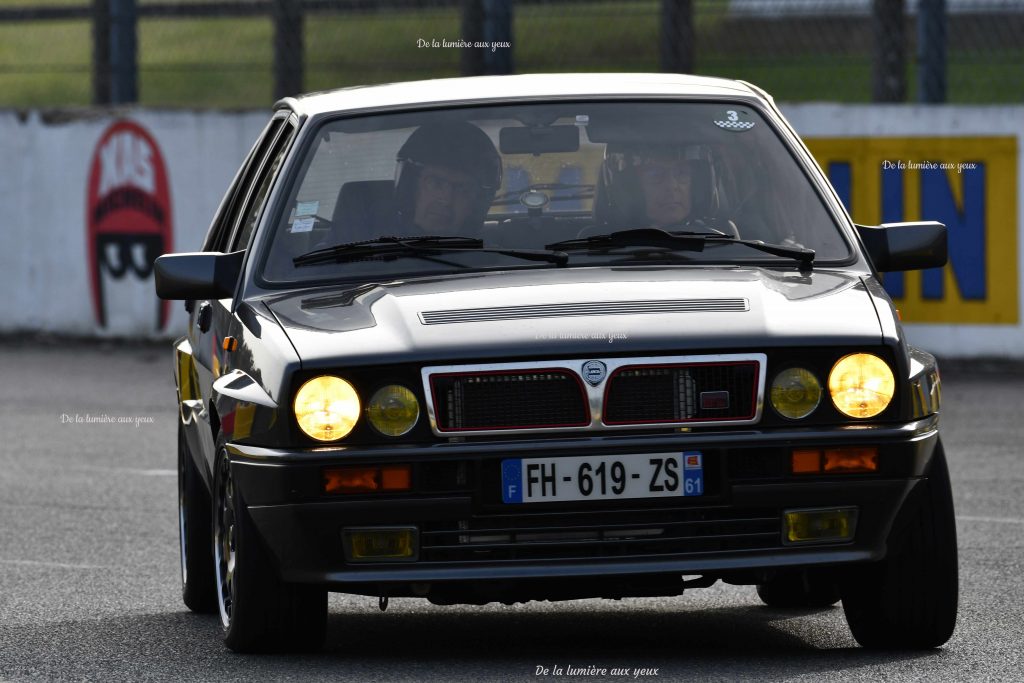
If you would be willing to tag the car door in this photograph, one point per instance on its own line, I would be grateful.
(212, 320)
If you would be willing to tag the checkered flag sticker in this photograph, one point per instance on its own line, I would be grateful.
(735, 120)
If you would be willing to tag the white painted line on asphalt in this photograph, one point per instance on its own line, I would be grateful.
(55, 565)
(994, 520)
(152, 473)
(127, 470)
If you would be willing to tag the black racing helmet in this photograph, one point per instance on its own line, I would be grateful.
(619, 198)
(455, 145)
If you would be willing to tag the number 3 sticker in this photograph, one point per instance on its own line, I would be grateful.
(733, 121)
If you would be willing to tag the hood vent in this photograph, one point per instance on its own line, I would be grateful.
(476, 315)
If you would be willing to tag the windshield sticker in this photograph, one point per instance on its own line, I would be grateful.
(307, 208)
(735, 120)
(303, 225)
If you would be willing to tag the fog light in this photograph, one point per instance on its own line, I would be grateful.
(380, 543)
(833, 525)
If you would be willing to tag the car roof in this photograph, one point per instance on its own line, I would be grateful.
(527, 86)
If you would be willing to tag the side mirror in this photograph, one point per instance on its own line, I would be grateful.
(905, 246)
(198, 275)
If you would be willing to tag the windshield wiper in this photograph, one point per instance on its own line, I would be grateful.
(424, 246)
(640, 237)
(683, 241)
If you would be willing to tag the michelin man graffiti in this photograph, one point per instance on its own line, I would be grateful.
(129, 226)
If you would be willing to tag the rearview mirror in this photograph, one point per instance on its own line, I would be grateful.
(539, 140)
(198, 275)
(905, 246)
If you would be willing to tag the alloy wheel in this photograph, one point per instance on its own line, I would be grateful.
(224, 541)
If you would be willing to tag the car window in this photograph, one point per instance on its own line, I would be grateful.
(523, 176)
(267, 173)
(227, 216)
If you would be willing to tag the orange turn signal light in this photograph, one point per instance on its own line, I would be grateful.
(806, 460)
(835, 460)
(863, 459)
(367, 479)
(229, 344)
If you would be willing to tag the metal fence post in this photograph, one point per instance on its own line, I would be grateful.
(497, 27)
(123, 52)
(288, 51)
(101, 52)
(677, 36)
(471, 60)
(889, 75)
(931, 51)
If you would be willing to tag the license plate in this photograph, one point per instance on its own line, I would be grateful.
(602, 477)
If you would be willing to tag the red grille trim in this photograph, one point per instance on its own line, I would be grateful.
(732, 418)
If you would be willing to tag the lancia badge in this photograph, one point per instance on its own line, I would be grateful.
(594, 372)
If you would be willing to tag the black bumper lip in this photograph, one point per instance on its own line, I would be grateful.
(306, 537)
(398, 574)
(304, 533)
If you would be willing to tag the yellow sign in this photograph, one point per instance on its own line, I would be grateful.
(967, 183)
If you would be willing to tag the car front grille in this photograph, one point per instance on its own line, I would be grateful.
(595, 394)
(679, 393)
(509, 400)
(600, 534)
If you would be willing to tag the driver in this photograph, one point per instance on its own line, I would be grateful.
(446, 177)
(647, 185)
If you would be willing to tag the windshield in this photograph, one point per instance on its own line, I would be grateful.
(525, 176)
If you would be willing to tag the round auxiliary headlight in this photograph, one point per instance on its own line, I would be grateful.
(796, 392)
(861, 385)
(393, 410)
(326, 408)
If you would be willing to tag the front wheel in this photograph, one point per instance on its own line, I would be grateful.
(258, 611)
(909, 599)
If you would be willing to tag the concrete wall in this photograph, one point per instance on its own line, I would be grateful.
(45, 269)
(68, 265)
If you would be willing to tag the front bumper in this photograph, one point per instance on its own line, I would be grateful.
(735, 527)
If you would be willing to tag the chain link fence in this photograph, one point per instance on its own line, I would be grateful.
(244, 53)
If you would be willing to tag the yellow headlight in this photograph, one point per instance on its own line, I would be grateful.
(861, 385)
(796, 392)
(326, 408)
(393, 410)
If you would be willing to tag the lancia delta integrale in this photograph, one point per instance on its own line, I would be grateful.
(552, 337)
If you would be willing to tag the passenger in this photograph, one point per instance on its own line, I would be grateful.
(653, 186)
(446, 178)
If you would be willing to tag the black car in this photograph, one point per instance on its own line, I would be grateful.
(552, 337)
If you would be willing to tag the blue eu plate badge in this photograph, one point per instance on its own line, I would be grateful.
(512, 480)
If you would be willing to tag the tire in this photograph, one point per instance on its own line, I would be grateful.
(909, 599)
(258, 611)
(198, 584)
(807, 589)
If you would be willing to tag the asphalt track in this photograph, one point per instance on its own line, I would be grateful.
(89, 576)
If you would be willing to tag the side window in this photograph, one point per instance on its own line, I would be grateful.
(265, 180)
(234, 202)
